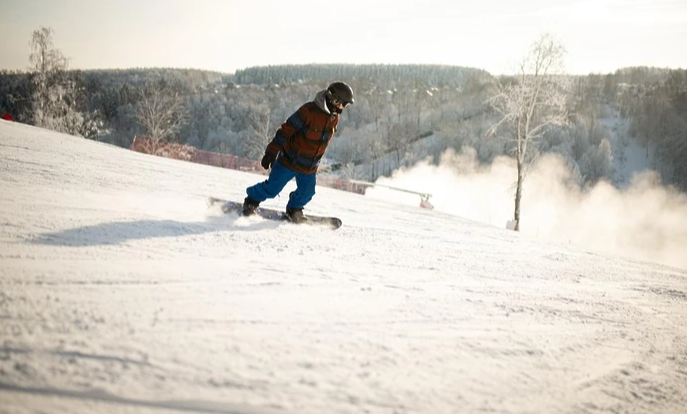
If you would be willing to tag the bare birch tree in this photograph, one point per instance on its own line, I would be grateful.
(531, 103)
(55, 94)
(161, 112)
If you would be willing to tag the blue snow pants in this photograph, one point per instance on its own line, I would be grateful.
(277, 180)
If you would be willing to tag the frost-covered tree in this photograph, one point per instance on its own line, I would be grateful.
(54, 98)
(531, 103)
(399, 138)
(259, 132)
(350, 172)
(161, 111)
(660, 121)
(225, 141)
(595, 164)
(377, 104)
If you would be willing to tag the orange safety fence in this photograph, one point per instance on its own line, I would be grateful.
(192, 154)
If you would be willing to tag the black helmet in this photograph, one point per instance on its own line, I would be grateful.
(341, 92)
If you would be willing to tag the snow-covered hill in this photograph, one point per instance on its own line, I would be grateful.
(120, 292)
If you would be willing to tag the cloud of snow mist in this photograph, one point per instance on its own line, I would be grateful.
(646, 221)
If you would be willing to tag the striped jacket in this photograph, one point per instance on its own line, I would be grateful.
(301, 141)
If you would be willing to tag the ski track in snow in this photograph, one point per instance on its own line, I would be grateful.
(120, 291)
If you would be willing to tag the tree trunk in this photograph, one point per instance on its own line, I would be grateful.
(518, 195)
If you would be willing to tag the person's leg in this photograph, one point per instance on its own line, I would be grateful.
(270, 188)
(305, 190)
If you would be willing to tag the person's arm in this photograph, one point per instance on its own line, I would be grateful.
(296, 122)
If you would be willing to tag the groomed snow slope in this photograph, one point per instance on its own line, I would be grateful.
(121, 292)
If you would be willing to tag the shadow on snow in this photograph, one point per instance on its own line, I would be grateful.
(113, 233)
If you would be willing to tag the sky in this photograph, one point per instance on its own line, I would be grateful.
(600, 36)
(122, 292)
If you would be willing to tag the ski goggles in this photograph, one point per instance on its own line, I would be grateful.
(338, 102)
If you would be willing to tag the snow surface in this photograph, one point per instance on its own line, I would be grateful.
(121, 292)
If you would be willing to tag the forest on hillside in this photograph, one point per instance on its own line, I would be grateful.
(396, 107)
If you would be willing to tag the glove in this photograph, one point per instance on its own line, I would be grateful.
(267, 161)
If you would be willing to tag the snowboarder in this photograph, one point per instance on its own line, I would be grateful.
(296, 151)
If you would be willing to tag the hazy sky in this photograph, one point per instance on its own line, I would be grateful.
(225, 35)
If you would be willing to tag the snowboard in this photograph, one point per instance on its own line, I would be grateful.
(229, 207)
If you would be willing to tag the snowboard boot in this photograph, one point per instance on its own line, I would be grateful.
(249, 206)
(296, 215)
